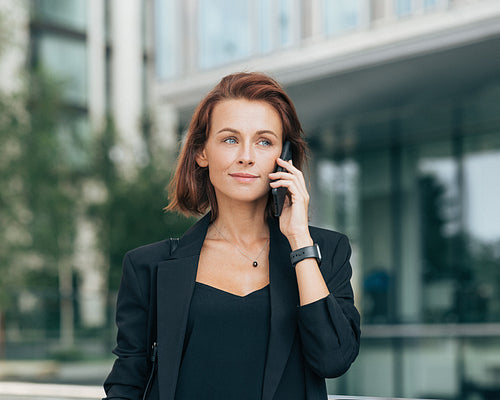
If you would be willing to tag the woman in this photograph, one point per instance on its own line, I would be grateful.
(234, 316)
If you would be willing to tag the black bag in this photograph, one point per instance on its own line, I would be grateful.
(153, 358)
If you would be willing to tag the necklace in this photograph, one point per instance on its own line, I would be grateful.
(254, 261)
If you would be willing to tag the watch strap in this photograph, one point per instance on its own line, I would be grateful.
(305, 252)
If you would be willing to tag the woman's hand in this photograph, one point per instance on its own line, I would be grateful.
(294, 223)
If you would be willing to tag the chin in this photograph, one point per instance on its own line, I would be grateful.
(248, 197)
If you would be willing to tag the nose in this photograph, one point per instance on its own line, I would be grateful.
(247, 155)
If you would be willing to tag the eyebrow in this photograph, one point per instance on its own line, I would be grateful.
(261, 132)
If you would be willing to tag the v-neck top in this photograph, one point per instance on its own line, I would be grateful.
(225, 347)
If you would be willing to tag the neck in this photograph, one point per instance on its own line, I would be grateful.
(243, 224)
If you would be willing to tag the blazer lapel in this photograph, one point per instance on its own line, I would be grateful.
(175, 284)
(284, 302)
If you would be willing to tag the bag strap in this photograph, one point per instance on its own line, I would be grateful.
(154, 348)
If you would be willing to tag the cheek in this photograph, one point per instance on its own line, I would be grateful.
(272, 162)
(220, 162)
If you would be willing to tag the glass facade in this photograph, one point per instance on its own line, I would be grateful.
(343, 16)
(416, 190)
(405, 8)
(169, 59)
(224, 33)
(198, 35)
(229, 31)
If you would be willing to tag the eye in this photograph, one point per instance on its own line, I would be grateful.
(265, 142)
(230, 140)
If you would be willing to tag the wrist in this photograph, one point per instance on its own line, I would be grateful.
(299, 241)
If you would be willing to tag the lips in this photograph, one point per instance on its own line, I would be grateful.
(243, 177)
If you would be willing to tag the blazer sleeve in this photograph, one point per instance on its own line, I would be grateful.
(329, 328)
(128, 376)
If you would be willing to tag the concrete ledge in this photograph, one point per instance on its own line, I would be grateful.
(82, 373)
(338, 397)
(32, 370)
(42, 391)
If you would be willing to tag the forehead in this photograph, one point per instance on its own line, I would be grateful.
(251, 112)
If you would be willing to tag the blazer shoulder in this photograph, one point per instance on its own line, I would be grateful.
(320, 235)
(151, 253)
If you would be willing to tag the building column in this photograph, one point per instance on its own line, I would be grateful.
(96, 50)
(127, 82)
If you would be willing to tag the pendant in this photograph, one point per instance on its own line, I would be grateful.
(255, 263)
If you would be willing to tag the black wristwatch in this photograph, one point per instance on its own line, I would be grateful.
(306, 252)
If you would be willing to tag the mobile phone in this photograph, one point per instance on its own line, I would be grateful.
(279, 193)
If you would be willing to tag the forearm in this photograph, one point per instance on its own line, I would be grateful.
(329, 328)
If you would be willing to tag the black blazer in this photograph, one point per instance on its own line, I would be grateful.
(326, 333)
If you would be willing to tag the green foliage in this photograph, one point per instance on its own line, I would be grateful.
(38, 192)
(68, 355)
(137, 218)
(51, 189)
(133, 212)
(46, 159)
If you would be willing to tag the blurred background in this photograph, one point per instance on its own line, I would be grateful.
(400, 101)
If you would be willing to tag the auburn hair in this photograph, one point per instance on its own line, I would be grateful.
(190, 190)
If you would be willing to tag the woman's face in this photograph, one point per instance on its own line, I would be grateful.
(244, 141)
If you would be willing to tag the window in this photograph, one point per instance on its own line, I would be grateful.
(343, 15)
(265, 24)
(71, 14)
(168, 39)
(286, 23)
(67, 60)
(403, 7)
(481, 298)
(224, 32)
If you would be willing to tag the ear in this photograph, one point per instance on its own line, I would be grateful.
(201, 159)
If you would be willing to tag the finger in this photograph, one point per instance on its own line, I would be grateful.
(288, 165)
(284, 178)
(294, 189)
(292, 174)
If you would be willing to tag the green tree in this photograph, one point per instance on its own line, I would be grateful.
(42, 177)
(132, 214)
(38, 191)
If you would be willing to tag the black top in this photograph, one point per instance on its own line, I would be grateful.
(225, 346)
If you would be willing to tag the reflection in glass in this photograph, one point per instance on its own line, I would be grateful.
(338, 194)
(440, 231)
(482, 216)
(376, 221)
